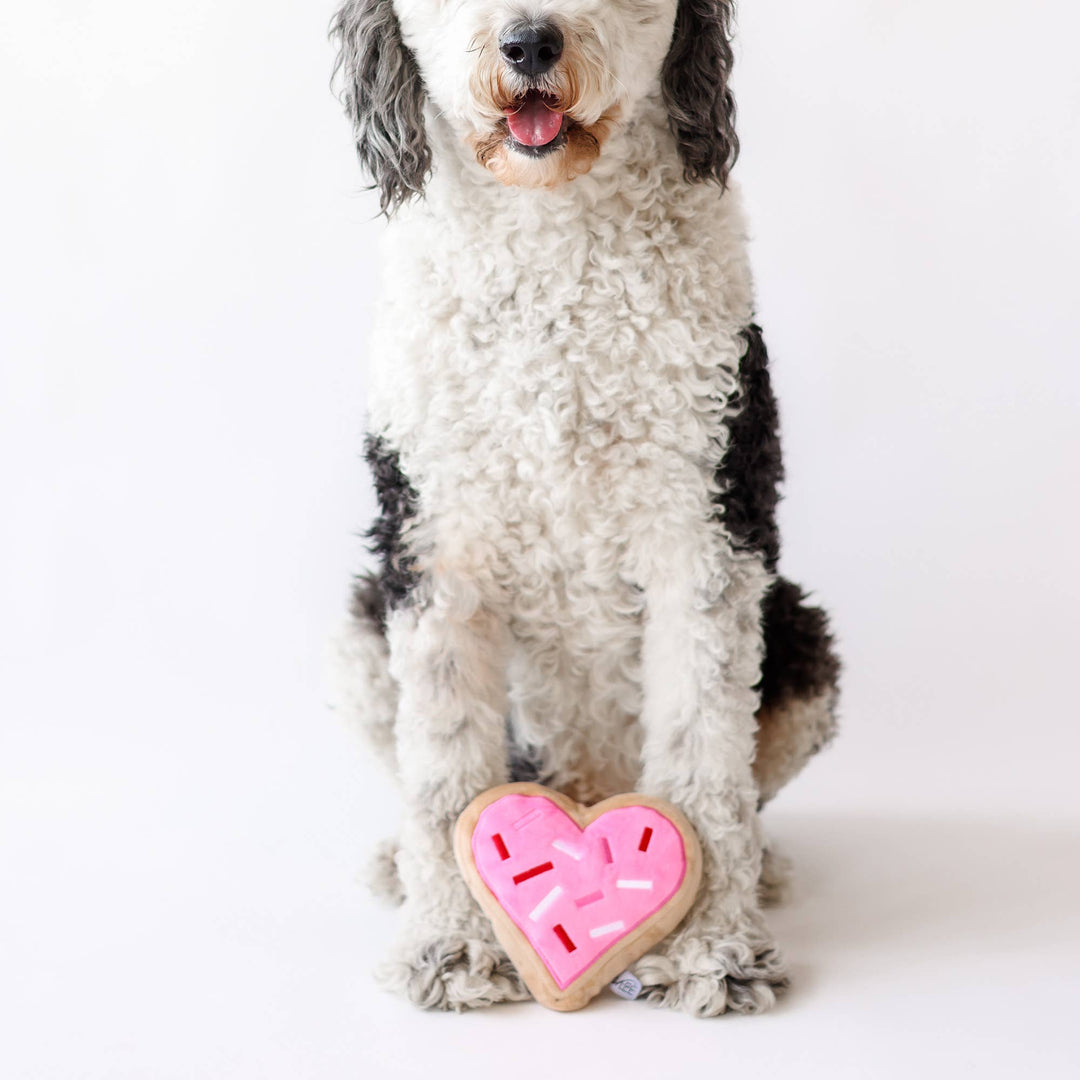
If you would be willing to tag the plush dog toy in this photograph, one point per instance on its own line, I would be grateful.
(575, 893)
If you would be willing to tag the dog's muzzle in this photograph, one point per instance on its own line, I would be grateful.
(531, 50)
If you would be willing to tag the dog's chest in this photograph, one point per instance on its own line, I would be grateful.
(556, 375)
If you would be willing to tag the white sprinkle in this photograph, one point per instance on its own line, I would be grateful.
(623, 883)
(600, 931)
(566, 849)
(545, 903)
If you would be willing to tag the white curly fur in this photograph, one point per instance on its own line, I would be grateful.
(363, 689)
(554, 368)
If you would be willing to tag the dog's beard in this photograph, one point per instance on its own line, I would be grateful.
(577, 90)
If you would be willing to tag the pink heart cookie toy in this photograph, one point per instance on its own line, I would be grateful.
(576, 893)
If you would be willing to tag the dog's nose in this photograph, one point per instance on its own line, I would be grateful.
(531, 48)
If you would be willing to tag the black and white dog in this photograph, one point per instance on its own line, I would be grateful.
(574, 444)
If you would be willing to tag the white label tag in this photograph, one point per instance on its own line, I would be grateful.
(626, 986)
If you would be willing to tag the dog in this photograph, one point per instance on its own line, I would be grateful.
(574, 446)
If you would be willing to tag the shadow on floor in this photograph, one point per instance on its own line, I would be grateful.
(925, 885)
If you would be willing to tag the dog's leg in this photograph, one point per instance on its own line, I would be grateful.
(364, 694)
(451, 745)
(702, 656)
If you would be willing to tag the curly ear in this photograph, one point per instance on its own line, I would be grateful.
(701, 108)
(383, 95)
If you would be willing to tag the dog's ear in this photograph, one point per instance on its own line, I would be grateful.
(383, 95)
(701, 107)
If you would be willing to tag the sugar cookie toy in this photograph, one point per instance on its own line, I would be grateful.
(576, 893)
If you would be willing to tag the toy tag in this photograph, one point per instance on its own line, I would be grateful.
(627, 985)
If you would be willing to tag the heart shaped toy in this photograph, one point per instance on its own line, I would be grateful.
(576, 894)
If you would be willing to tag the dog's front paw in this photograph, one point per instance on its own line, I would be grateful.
(453, 972)
(706, 977)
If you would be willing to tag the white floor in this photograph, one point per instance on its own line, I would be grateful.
(182, 899)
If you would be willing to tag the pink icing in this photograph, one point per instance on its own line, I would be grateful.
(598, 878)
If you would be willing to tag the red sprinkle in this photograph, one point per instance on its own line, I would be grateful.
(543, 868)
(564, 937)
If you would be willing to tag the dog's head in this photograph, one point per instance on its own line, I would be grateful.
(533, 88)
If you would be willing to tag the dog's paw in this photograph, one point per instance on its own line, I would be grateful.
(454, 973)
(710, 977)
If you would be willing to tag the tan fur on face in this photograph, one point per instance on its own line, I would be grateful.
(581, 89)
(574, 158)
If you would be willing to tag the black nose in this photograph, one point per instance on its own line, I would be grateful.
(531, 48)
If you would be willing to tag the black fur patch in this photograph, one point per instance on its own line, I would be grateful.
(398, 503)
(368, 603)
(701, 107)
(752, 467)
(800, 661)
(526, 762)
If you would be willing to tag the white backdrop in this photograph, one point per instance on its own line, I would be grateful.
(187, 278)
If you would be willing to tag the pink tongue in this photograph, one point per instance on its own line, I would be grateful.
(534, 124)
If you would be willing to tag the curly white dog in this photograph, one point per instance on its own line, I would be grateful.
(574, 445)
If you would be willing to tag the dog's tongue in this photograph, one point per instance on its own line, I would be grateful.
(534, 124)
